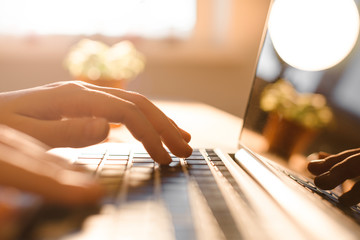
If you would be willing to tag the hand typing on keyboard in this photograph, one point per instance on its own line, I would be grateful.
(74, 114)
(25, 165)
(77, 114)
(332, 170)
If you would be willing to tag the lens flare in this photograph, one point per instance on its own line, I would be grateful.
(314, 35)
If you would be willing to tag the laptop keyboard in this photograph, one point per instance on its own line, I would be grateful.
(133, 176)
(328, 195)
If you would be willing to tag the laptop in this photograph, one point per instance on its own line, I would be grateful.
(210, 195)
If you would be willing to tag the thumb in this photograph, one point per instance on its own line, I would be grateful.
(75, 132)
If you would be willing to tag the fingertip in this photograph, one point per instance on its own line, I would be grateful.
(159, 155)
(188, 152)
(316, 166)
(184, 151)
(186, 136)
(165, 159)
(323, 181)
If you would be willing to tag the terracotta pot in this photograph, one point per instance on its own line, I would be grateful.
(121, 83)
(286, 137)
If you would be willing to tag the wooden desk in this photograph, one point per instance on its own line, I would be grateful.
(209, 126)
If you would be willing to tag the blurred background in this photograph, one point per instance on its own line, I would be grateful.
(194, 49)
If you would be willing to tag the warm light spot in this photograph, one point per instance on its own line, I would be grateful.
(314, 34)
(150, 18)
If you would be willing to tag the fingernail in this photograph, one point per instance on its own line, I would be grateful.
(317, 162)
(313, 163)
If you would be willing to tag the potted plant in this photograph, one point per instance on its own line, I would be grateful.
(294, 118)
(97, 63)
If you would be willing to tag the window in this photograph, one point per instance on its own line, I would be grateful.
(145, 18)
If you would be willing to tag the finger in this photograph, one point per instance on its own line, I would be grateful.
(347, 169)
(143, 131)
(74, 86)
(77, 132)
(321, 166)
(186, 135)
(14, 139)
(81, 101)
(137, 98)
(123, 106)
(48, 180)
(29, 146)
(315, 160)
(92, 102)
(170, 133)
(351, 197)
(32, 148)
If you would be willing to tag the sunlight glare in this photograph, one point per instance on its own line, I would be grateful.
(147, 18)
(314, 34)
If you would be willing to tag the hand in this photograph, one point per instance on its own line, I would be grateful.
(332, 170)
(77, 114)
(25, 164)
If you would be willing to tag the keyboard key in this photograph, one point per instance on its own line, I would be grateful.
(141, 155)
(119, 162)
(196, 153)
(197, 166)
(196, 162)
(195, 158)
(143, 170)
(144, 160)
(221, 168)
(196, 172)
(218, 163)
(143, 164)
(108, 165)
(117, 157)
(215, 158)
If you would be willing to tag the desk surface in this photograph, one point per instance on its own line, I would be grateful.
(209, 126)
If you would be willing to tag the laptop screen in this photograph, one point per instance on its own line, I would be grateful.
(292, 113)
